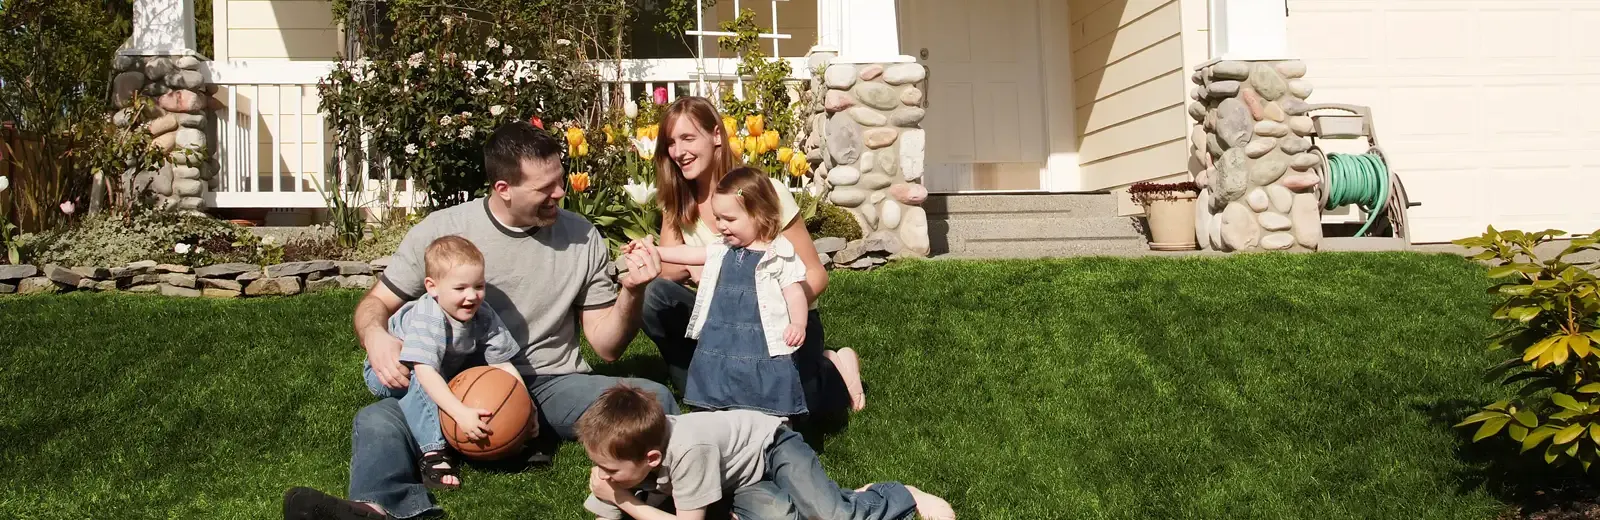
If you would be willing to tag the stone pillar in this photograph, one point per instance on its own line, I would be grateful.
(178, 119)
(872, 150)
(1259, 185)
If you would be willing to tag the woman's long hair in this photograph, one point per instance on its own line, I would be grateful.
(675, 194)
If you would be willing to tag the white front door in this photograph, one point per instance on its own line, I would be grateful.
(985, 120)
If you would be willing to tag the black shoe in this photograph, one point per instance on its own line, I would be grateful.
(303, 503)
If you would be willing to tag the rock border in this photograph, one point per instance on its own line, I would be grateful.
(236, 280)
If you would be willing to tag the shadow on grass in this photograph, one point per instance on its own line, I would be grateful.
(1498, 467)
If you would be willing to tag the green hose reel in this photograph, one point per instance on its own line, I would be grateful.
(1363, 180)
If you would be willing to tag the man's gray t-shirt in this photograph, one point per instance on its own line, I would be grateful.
(538, 280)
(707, 453)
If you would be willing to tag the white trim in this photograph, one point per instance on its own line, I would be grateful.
(1250, 29)
(266, 72)
(219, 31)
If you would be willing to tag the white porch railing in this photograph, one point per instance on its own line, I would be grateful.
(267, 162)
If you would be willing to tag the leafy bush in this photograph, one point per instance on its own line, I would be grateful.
(1550, 310)
(107, 240)
(823, 219)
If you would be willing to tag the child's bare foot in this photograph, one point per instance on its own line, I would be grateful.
(930, 507)
(849, 365)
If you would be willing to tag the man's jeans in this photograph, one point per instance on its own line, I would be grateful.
(795, 471)
(421, 413)
(384, 455)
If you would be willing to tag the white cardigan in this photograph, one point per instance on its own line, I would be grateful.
(778, 268)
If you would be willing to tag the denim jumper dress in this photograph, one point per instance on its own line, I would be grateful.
(731, 368)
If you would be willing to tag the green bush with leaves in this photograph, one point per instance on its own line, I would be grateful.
(1550, 312)
(823, 219)
(113, 240)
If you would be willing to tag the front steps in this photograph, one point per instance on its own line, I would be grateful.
(1030, 225)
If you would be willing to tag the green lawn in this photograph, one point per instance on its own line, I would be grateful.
(1273, 387)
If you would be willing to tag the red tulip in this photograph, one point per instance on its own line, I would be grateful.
(661, 95)
(535, 121)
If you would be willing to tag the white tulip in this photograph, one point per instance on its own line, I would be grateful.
(5, 182)
(181, 248)
(646, 147)
(497, 110)
(640, 193)
(631, 109)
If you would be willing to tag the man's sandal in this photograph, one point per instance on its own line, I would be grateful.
(433, 476)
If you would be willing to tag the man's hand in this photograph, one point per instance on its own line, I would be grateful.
(383, 351)
(644, 265)
(604, 489)
(794, 335)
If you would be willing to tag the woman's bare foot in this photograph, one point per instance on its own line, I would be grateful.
(849, 365)
(930, 507)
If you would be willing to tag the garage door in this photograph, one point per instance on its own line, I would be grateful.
(1490, 110)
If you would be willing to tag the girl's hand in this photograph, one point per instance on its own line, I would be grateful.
(794, 335)
(474, 423)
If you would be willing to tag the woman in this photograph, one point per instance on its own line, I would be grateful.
(691, 157)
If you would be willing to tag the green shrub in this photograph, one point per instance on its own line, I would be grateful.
(1550, 309)
(827, 220)
(110, 240)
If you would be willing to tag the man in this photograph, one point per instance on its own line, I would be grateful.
(546, 271)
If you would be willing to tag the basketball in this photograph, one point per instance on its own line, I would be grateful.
(513, 423)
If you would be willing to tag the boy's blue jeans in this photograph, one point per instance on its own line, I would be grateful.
(421, 413)
(793, 468)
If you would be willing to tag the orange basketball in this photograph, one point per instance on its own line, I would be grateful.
(514, 421)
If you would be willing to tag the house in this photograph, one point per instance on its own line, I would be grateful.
(1485, 108)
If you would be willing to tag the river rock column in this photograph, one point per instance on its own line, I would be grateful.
(1259, 186)
(873, 152)
(178, 118)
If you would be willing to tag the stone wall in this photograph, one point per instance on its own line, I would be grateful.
(1259, 184)
(870, 147)
(214, 281)
(180, 122)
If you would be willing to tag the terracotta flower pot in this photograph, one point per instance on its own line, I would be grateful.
(1171, 221)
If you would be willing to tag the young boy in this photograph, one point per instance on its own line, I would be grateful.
(442, 333)
(699, 458)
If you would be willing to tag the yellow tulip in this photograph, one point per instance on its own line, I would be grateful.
(784, 154)
(642, 132)
(756, 124)
(798, 165)
(729, 125)
(574, 136)
(611, 136)
(737, 145)
(580, 182)
(583, 149)
(655, 129)
(753, 145)
(772, 140)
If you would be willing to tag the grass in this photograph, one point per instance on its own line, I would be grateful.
(1258, 386)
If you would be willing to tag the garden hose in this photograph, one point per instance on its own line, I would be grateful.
(1361, 179)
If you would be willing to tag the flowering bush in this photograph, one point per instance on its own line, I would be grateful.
(8, 230)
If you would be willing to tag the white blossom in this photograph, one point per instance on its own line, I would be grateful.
(497, 110)
(645, 147)
(444, 121)
(506, 50)
(563, 42)
(641, 194)
(269, 240)
(5, 182)
(411, 149)
(447, 21)
(181, 248)
(491, 42)
(630, 109)
(466, 131)
(415, 60)
(465, 115)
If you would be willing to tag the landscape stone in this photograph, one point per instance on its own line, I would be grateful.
(1259, 147)
(1304, 161)
(829, 244)
(181, 101)
(1282, 199)
(1294, 106)
(279, 286)
(885, 158)
(1233, 174)
(62, 275)
(1272, 221)
(219, 293)
(352, 268)
(904, 73)
(188, 187)
(889, 214)
(1257, 199)
(92, 272)
(1197, 111)
(1234, 70)
(143, 279)
(105, 285)
(299, 268)
(191, 120)
(914, 232)
(850, 253)
(1277, 241)
(1267, 169)
(6, 288)
(881, 241)
(870, 72)
(838, 101)
(37, 285)
(847, 197)
(877, 95)
(183, 292)
(249, 277)
(839, 76)
(1301, 125)
(229, 270)
(1234, 123)
(1300, 88)
(1239, 229)
(171, 268)
(907, 116)
(1274, 112)
(1307, 219)
(158, 68)
(862, 263)
(156, 89)
(880, 137)
(379, 264)
(191, 139)
(145, 289)
(1253, 101)
(844, 140)
(824, 259)
(1271, 129)
(359, 281)
(163, 124)
(227, 285)
(868, 117)
(179, 280)
(324, 284)
(874, 181)
(187, 63)
(909, 193)
(185, 79)
(911, 96)
(11, 272)
(912, 148)
(1291, 69)
(1268, 82)
(1222, 88)
(844, 175)
(1301, 181)
(1214, 145)
(869, 159)
(1294, 144)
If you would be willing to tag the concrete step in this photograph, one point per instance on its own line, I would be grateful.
(1030, 226)
(1056, 204)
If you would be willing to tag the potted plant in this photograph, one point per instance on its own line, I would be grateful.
(1169, 208)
